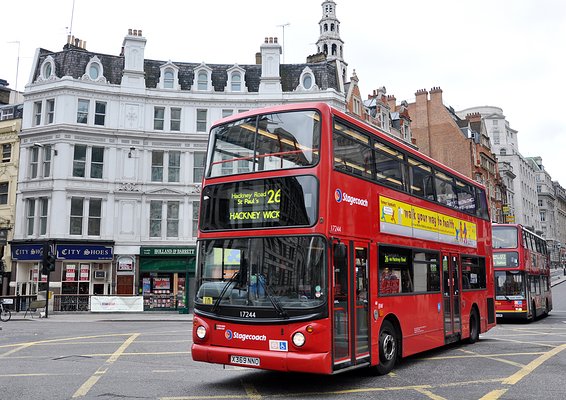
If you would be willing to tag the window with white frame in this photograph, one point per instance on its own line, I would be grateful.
(158, 118)
(48, 68)
(4, 192)
(97, 162)
(157, 165)
(94, 210)
(33, 162)
(155, 216)
(227, 113)
(174, 166)
(172, 219)
(94, 216)
(168, 78)
(30, 216)
(160, 159)
(201, 120)
(82, 111)
(94, 71)
(50, 111)
(100, 113)
(160, 211)
(43, 212)
(202, 80)
(88, 161)
(175, 123)
(196, 205)
(199, 159)
(47, 151)
(236, 82)
(37, 106)
(6, 152)
(76, 222)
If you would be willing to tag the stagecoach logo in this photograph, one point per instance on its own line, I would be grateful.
(341, 196)
(244, 336)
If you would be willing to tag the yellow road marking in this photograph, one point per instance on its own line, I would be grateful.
(251, 391)
(530, 367)
(61, 340)
(419, 388)
(24, 346)
(90, 382)
(430, 395)
(494, 394)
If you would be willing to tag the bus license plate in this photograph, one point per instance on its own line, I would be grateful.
(243, 360)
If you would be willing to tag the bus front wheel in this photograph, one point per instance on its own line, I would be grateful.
(474, 327)
(388, 348)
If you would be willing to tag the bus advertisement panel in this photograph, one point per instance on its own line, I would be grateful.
(522, 273)
(326, 245)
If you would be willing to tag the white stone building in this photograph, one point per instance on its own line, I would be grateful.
(112, 156)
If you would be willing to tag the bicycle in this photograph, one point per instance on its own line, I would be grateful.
(5, 314)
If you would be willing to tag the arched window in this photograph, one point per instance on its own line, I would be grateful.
(307, 81)
(202, 80)
(94, 71)
(47, 70)
(334, 49)
(325, 49)
(168, 79)
(325, 27)
(332, 27)
(236, 82)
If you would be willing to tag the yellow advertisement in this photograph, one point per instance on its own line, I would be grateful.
(404, 219)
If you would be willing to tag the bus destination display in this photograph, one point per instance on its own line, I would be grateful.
(260, 203)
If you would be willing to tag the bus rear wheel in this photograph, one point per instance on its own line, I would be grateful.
(474, 327)
(388, 348)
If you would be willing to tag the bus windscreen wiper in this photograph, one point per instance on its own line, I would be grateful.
(223, 291)
(276, 304)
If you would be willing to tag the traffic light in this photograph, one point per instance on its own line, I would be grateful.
(47, 260)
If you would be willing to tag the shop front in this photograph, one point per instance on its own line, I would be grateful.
(81, 270)
(167, 278)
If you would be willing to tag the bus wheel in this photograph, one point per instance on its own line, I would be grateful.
(388, 348)
(474, 327)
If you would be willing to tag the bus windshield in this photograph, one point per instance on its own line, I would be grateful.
(271, 273)
(504, 237)
(509, 285)
(263, 143)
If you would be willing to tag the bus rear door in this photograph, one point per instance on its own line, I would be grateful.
(451, 297)
(350, 304)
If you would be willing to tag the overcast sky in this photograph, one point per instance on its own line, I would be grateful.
(505, 53)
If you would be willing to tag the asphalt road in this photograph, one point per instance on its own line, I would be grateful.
(90, 356)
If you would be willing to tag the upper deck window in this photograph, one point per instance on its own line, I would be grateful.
(264, 143)
(504, 237)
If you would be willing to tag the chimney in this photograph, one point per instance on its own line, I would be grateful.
(133, 46)
(270, 81)
(436, 95)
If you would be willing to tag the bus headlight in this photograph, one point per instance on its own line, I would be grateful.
(201, 332)
(298, 339)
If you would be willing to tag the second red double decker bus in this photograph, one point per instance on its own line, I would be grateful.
(326, 245)
(522, 273)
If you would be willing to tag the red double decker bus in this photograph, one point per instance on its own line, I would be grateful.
(326, 245)
(522, 273)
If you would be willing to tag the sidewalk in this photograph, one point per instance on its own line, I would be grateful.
(149, 316)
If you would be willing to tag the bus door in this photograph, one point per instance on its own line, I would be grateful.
(451, 296)
(350, 308)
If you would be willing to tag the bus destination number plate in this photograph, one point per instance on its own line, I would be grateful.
(243, 360)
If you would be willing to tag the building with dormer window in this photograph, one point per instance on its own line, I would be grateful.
(112, 158)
